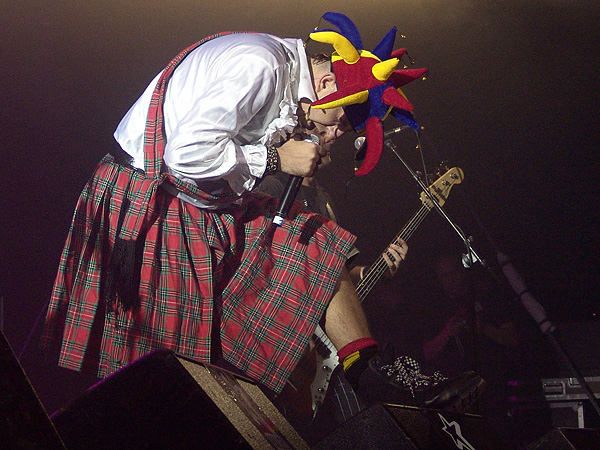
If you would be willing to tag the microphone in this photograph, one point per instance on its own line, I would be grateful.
(360, 141)
(291, 190)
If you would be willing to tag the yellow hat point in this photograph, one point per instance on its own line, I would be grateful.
(384, 69)
(342, 45)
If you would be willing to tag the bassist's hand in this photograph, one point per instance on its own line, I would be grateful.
(394, 255)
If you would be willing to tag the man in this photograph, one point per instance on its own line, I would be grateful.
(473, 328)
(472, 314)
(169, 248)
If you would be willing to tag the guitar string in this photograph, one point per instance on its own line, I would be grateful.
(377, 269)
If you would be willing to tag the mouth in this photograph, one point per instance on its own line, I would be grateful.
(327, 144)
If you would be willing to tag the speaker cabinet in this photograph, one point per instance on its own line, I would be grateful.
(386, 427)
(24, 423)
(165, 401)
(568, 439)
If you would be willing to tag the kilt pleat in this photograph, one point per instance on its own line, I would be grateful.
(207, 278)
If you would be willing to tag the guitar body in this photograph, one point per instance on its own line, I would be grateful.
(326, 361)
(297, 393)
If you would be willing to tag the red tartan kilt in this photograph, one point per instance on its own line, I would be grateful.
(207, 278)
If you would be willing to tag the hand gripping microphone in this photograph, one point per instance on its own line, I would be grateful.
(291, 190)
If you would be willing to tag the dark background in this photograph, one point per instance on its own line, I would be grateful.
(512, 99)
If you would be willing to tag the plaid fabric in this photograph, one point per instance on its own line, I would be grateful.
(212, 282)
(262, 293)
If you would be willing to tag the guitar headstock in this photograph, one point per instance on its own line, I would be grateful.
(440, 189)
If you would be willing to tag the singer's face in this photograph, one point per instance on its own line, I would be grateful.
(330, 124)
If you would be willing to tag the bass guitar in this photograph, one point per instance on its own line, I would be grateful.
(326, 352)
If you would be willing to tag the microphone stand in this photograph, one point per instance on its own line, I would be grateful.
(523, 293)
(472, 253)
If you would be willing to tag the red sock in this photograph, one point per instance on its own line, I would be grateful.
(355, 357)
(355, 346)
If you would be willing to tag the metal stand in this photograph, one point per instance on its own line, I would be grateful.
(473, 256)
(529, 302)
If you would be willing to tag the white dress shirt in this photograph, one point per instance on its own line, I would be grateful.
(225, 102)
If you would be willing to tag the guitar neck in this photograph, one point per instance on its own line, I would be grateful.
(374, 273)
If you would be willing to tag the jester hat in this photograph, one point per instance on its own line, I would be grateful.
(368, 83)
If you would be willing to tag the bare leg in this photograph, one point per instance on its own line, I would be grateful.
(345, 319)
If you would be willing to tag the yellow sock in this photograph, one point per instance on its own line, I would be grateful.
(350, 359)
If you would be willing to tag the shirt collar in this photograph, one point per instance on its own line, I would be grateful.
(306, 88)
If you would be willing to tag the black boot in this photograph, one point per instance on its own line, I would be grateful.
(403, 383)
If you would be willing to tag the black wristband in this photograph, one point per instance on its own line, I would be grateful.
(272, 160)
